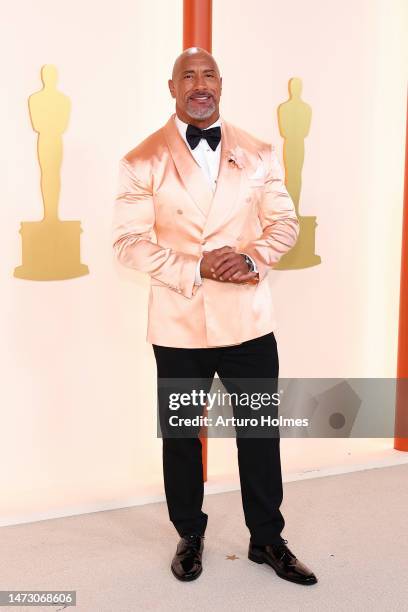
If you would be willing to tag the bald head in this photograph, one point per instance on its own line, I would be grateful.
(196, 85)
(192, 53)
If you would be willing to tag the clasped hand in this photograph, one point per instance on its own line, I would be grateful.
(226, 265)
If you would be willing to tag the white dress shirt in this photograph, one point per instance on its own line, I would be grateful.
(206, 158)
(209, 161)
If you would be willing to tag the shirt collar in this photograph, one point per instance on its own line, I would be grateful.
(182, 126)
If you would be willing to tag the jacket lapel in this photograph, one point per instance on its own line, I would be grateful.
(190, 172)
(217, 206)
(229, 182)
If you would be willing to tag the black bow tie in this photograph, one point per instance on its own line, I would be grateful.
(194, 135)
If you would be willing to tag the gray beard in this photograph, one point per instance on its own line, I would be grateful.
(201, 114)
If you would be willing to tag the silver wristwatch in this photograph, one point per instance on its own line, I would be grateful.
(248, 261)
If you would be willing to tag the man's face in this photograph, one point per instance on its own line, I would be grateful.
(196, 86)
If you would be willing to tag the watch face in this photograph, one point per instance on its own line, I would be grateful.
(249, 262)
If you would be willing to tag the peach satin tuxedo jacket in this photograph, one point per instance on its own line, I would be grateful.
(166, 215)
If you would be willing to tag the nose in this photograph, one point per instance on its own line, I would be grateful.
(200, 82)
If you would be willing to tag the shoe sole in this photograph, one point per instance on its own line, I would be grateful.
(187, 579)
(260, 560)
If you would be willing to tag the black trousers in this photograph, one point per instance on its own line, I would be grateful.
(258, 457)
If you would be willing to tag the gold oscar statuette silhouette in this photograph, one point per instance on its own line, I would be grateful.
(294, 118)
(50, 247)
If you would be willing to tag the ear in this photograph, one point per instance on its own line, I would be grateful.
(171, 87)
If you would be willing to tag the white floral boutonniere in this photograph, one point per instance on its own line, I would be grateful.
(235, 158)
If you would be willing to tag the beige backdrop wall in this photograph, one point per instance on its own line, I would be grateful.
(339, 318)
(78, 385)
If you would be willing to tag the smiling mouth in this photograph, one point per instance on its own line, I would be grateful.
(201, 98)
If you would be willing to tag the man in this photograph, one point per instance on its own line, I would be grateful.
(215, 199)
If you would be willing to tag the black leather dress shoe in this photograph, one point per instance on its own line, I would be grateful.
(283, 561)
(186, 564)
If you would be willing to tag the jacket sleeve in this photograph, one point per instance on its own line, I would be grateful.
(277, 215)
(132, 235)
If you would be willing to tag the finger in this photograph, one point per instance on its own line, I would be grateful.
(220, 261)
(225, 258)
(230, 269)
(237, 279)
(216, 262)
(236, 276)
(228, 272)
(234, 260)
(244, 278)
(228, 266)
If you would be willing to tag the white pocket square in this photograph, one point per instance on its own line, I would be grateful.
(259, 172)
